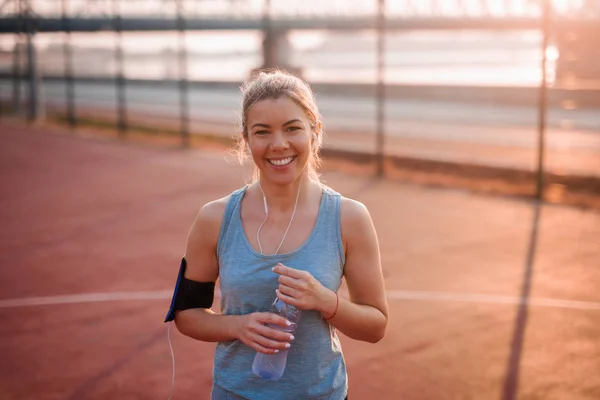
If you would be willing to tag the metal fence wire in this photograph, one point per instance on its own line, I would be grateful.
(25, 18)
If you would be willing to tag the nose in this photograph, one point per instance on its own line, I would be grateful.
(279, 142)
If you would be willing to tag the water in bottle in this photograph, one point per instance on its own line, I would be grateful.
(271, 366)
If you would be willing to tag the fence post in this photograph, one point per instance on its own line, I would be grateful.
(380, 87)
(183, 78)
(33, 73)
(68, 67)
(268, 60)
(120, 81)
(16, 87)
(542, 106)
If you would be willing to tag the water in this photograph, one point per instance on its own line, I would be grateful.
(435, 58)
(272, 366)
(423, 57)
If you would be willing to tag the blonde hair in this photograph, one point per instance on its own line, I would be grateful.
(275, 84)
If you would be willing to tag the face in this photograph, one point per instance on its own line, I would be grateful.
(279, 135)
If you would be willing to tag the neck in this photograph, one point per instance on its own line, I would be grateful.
(283, 198)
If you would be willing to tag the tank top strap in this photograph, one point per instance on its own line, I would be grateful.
(235, 198)
(329, 228)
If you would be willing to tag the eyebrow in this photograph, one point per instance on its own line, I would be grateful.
(267, 126)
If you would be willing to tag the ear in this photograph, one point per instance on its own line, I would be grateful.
(317, 130)
(318, 127)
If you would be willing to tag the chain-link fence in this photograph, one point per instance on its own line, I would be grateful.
(513, 84)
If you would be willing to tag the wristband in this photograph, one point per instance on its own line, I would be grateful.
(337, 304)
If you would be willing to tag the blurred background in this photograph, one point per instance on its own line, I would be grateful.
(512, 84)
(490, 297)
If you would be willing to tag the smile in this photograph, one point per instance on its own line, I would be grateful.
(281, 162)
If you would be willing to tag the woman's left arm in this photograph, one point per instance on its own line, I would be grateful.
(364, 316)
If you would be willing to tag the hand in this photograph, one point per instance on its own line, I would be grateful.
(302, 290)
(254, 331)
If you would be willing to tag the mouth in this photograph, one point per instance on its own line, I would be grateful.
(281, 162)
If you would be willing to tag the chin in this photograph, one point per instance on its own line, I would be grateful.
(282, 176)
(280, 179)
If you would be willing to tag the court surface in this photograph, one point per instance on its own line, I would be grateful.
(490, 297)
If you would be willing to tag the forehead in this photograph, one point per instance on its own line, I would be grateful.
(281, 110)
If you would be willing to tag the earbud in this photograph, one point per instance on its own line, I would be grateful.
(314, 142)
(248, 147)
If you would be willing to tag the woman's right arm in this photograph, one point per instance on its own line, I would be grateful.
(205, 324)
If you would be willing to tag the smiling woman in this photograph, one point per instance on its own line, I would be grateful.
(268, 99)
(286, 235)
(280, 147)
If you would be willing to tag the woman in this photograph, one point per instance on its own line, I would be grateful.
(285, 235)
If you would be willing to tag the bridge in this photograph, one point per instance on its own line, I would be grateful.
(570, 25)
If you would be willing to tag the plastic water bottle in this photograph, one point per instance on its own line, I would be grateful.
(271, 366)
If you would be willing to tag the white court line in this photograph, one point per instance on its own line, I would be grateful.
(493, 299)
(86, 298)
(391, 294)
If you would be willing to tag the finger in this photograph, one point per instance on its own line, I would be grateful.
(274, 319)
(262, 349)
(287, 271)
(287, 299)
(288, 291)
(277, 335)
(269, 343)
(291, 282)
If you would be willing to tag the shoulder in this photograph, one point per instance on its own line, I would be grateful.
(207, 224)
(200, 251)
(355, 221)
(353, 212)
(212, 212)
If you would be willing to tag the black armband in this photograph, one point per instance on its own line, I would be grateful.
(190, 294)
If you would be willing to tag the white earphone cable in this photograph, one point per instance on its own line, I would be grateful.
(267, 216)
(172, 358)
(267, 208)
(261, 225)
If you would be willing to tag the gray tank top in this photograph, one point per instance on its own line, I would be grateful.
(315, 365)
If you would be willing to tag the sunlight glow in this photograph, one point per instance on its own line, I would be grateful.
(552, 53)
(567, 6)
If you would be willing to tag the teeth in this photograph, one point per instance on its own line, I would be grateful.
(282, 162)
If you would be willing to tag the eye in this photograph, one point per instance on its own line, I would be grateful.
(294, 128)
(261, 132)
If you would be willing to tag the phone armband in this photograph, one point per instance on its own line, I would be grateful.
(189, 293)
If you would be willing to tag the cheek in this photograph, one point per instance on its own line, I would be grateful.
(304, 144)
(310, 147)
(258, 150)
(306, 154)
